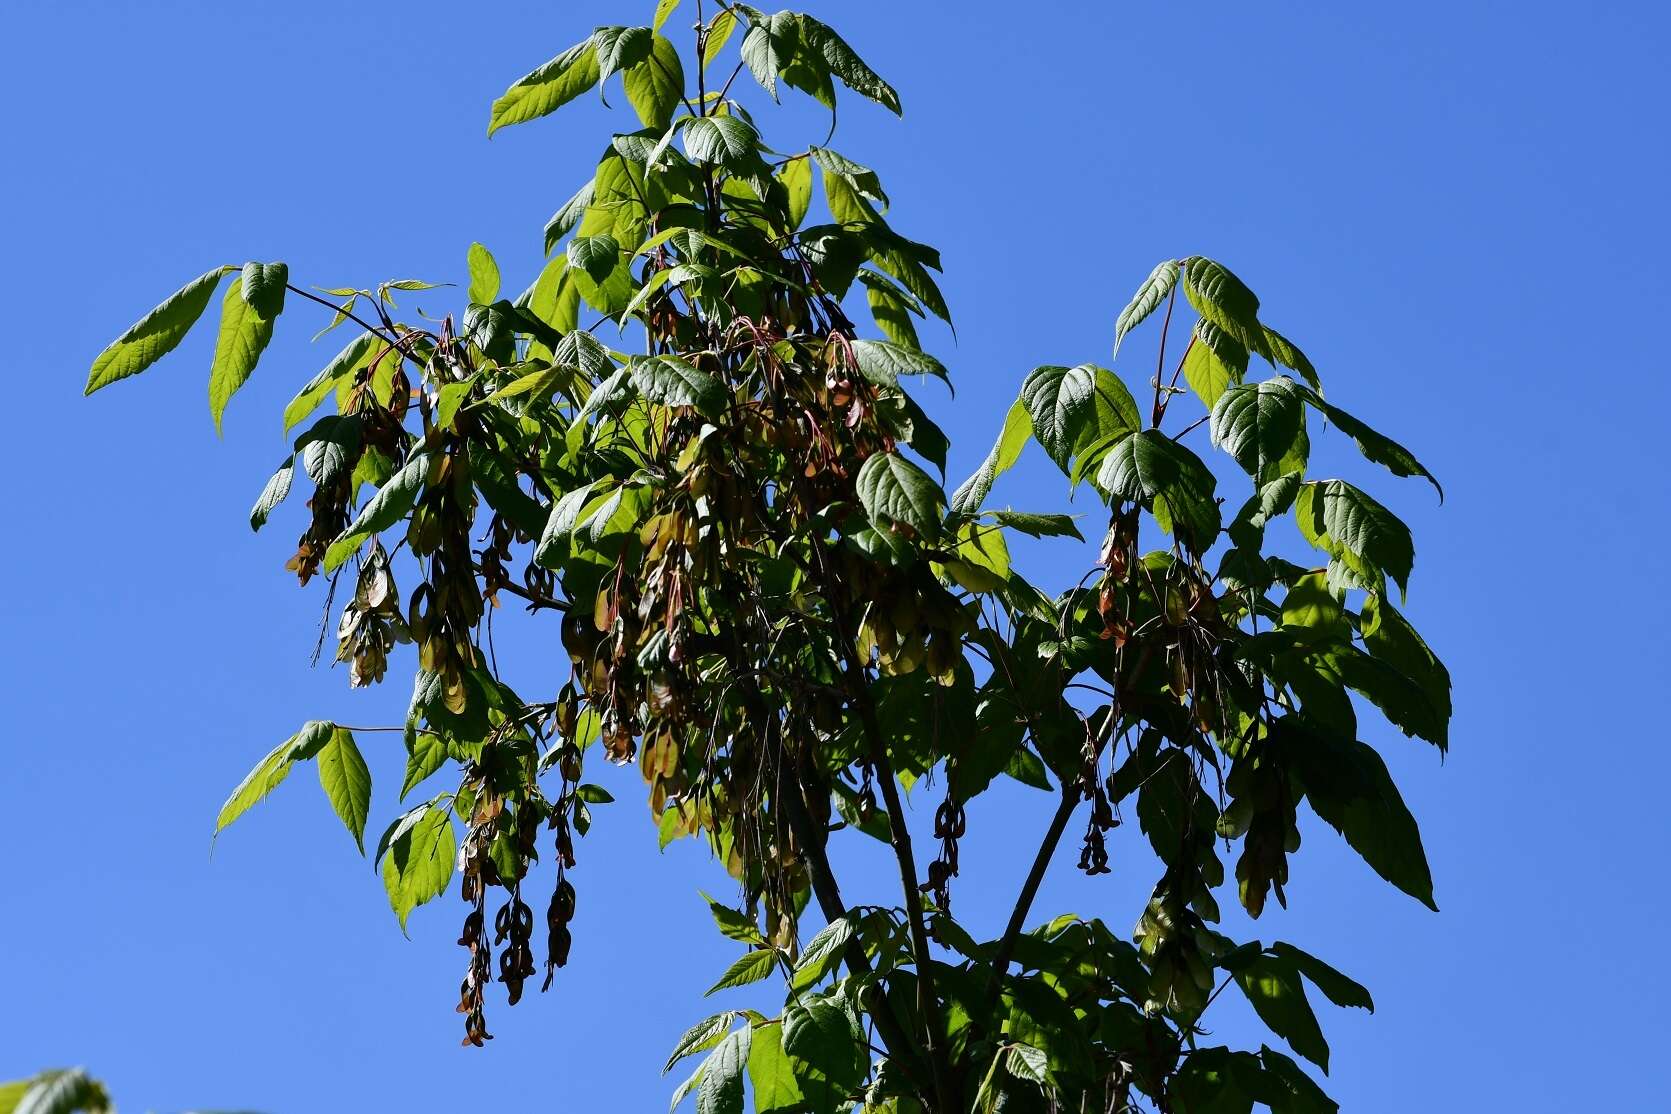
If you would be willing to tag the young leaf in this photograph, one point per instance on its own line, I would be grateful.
(893, 490)
(484, 275)
(347, 782)
(156, 334)
(548, 88)
(248, 310)
(1148, 298)
(664, 8)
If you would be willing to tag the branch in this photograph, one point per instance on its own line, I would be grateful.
(900, 839)
(1030, 888)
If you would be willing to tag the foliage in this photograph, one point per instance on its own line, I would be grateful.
(58, 1091)
(768, 602)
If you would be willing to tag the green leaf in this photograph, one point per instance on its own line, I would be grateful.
(1281, 351)
(546, 89)
(734, 925)
(156, 334)
(1390, 638)
(271, 771)
(847, 65)
(1151, 469)
(664, 8)
(1148, 298)
(1038, 525)
(750, 967)
(796, 176)
(719, 33)
(1302, 1096)
(721, 1089)
(278, 487)
(1075, 408)
(1258, 423)
(1018, 426)
(484, 275)
(893, 490)
(1274, 989)
(883, 362)
(342, 366)
(726, 140)
(426, 752)
(620, 47)
(381, 511)
(329, 446)
(1214, 361)
(822, 953)
(597, 256)
(264, 286)
(56, 1092)
(246, 326)
(672, 382)
(656, 85)
(1222, 298)
(347, 782)
(825, 1048)
(1376, 448)
(418, 852)
(1348, 786)
(770, 1072)
(861, 178)
(700, 1037)
(1313, 612)
(1339, 989)
(1344, 522)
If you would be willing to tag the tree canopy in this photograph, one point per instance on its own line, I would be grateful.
(678, 440)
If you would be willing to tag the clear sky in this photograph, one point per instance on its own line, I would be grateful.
(1457, 209)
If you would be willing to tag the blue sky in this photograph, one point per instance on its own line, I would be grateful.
(1451, 206)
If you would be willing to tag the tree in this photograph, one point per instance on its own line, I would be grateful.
(769, 602)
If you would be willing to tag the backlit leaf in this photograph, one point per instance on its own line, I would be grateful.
(156, 334)
(548, 88)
